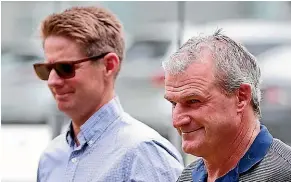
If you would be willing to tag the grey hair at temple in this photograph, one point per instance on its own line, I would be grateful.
(234, 64)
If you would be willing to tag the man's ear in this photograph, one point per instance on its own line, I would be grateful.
(112, 63)
(244, 97)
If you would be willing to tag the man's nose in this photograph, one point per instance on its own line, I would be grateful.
(180, 118)
(54, 79)
(180, 121)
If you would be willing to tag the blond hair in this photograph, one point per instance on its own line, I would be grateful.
(95, 29)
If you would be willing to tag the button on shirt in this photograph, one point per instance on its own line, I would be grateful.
(255, 154)
(113, 147)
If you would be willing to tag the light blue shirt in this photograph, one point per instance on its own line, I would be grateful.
(113, 147)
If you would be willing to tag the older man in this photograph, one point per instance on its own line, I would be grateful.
(84, 48)
(213, 84)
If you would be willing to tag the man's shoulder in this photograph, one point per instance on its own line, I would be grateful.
(279, 155)
(136, 131)
(57, 145)
(137, 136)
(281, 149)
(275, 166)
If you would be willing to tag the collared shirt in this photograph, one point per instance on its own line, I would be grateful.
(255, 154)
(113, 147)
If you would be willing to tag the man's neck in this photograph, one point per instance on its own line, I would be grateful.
(222, 161)
(80, 119)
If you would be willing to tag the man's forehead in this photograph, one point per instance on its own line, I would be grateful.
(197, 75)
(174, 79)
(60, 46)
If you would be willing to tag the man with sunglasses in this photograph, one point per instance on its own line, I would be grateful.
(84, 48)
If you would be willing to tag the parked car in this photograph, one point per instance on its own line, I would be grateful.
(276, 88)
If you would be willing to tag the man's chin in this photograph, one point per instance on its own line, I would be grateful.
(193, 149)
(64, 107)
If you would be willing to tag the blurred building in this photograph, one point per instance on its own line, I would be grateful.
(21, 19)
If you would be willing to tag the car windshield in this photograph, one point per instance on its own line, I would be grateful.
(148, 49)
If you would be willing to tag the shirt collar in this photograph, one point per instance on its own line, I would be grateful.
(94, 127)
(255, 154)
(69, 135)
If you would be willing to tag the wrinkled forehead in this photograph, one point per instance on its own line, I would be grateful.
(182, 86)
(175, 79)
(196, 71)
(197, 79)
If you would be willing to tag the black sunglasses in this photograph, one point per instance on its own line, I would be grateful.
(65, 69)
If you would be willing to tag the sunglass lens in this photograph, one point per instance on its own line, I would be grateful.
(65, 70)
(42, 71)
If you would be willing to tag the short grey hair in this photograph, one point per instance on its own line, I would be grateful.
(234, 64)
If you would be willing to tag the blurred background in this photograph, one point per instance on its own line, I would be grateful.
(154, 30)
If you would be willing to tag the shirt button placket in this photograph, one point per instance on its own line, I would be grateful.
(74, 160)
(90, 142)
(72, 166)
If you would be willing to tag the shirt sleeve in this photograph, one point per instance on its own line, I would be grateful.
(151, 161)
(38, 178)
(41, 169)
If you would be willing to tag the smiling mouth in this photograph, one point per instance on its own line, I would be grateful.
(62, 93)
(186, 132)
(62, 96)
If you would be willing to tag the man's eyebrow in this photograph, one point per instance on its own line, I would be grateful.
(183, 97)
(64, 60)
(189, 95)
